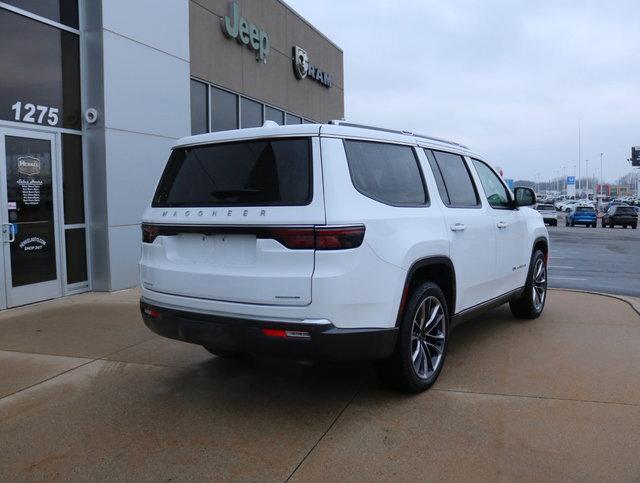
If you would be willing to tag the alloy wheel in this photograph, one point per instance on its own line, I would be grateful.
(428, 337)
(539, 284)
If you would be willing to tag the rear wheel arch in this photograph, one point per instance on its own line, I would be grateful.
(437, 269)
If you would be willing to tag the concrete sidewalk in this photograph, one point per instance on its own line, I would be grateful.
(87, 392)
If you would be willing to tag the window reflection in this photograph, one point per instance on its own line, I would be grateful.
(40, 75)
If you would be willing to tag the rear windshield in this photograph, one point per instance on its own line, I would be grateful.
(586, 209)
(625, 210)
(545, 207)
(246, 173)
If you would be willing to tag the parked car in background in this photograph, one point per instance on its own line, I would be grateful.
(614, 203)
(548, 213)
(622, 215)
(567, 205)
(582, 215)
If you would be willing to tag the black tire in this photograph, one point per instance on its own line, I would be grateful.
(554, 223)
(226, 354)
(572, 224)
(398, 370)
(624, 226)
(611, 225)
(634, 226)
(524, 306)
(604, 225)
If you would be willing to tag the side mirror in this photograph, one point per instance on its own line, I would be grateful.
(524, 196)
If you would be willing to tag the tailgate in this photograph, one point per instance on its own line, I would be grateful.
(215, 228)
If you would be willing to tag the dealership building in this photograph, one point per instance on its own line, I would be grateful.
(94, 92)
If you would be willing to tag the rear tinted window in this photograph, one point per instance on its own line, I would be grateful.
(545, 207)
(625, 210)
(584, 209)
(246, 173)
(453, 179)
(388, 173)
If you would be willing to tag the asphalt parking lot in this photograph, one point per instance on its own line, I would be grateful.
(88, 393)
(595, 259)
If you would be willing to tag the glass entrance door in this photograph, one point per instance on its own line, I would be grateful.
(28, 165)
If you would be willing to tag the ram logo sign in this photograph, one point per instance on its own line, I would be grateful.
(304, 69)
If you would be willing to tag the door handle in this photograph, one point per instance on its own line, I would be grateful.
(458, 227)
(502, 225)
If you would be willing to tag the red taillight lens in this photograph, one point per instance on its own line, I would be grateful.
(320, 238)
(149, 233)
(296, 238)
(339, 238)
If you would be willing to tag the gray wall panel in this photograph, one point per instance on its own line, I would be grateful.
(136, 73)
(144, 88)
(135, 165)
(162, 25)
(124, 244)
(100, 260)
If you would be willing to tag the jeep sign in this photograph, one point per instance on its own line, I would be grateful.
(237, 27)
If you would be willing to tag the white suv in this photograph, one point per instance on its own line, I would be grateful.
(335, 241)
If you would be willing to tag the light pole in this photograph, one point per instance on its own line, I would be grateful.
(579, 154)
(601, 176)
(587, 175)
(564, 179)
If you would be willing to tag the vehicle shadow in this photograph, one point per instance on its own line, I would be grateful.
(259, 377)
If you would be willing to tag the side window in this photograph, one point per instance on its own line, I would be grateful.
(453, 179)
(388, 173)
(497, 194)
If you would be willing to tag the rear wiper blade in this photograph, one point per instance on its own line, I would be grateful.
(231, 193)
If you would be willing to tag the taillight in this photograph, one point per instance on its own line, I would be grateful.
(321, 237)
(149, 233)
(339, 238)
(296, 238)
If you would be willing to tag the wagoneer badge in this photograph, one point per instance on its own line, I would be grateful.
(28, 165)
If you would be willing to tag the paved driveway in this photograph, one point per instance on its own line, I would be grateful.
(596, 259)
(86, 392)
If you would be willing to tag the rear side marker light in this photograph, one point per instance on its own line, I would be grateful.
(154, 314)
(286, 334)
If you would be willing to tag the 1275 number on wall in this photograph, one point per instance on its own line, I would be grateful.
(35, 113)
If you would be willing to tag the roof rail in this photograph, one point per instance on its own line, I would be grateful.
(337, 122)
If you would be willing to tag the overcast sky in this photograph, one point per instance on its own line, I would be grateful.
(508, 78)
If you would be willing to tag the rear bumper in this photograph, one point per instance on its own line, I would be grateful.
(584, 221)
(324, 341)
(623, 221)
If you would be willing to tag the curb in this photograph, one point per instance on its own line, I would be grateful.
(633, 302)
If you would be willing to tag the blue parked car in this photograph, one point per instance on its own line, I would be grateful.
(582, 215)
